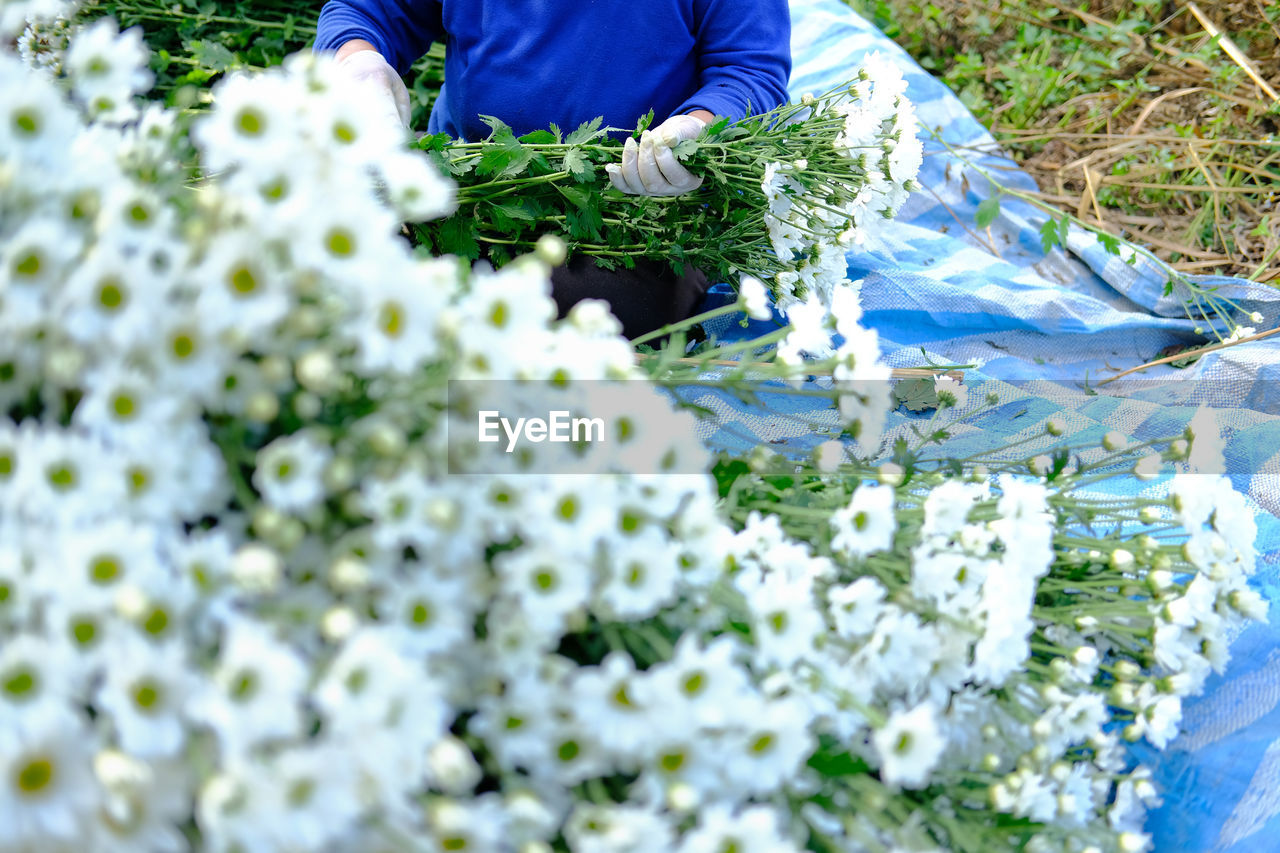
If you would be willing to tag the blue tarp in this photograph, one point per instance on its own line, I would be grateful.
(933, 279)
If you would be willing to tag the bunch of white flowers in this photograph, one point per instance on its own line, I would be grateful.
(816, 212)
(252, 596)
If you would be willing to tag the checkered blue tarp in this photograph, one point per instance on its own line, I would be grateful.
(1042, 328)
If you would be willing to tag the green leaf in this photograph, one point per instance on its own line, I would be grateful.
(1050, 235)
(577, 164)
(726, 471)
(499, 130)
(1109, 243)
(555, 129)
(434, 142)
(585, 222)
(987, 211)
(457, 237)
(495, 160)
(539, 137)
(577, 197)
(917, 395)
(517, 210)
(716, 127)
(211, 55)
(586, 131)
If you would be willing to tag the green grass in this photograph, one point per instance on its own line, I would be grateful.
(1179, 143)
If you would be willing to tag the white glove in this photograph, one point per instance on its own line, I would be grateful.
(650, 168)
(375, 75)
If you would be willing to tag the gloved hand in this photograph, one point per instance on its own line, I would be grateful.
(368, 69)
(650, 168)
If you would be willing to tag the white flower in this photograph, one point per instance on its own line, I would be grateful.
(754, 298)
(857, 608)
(829, 455)
(48, 796)
(909, 746)
(754, 829)
(1205, 456)
(144, 693)
(867, 524)
(108, 68)
(255, 691)
(288, 472)
(808, 331)
(950, 391)
(1148, 467)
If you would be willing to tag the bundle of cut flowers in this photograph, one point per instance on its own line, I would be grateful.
(784, 194)
(251, 601)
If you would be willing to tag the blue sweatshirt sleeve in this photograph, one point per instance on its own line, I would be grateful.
(401, 30)
(744, 57)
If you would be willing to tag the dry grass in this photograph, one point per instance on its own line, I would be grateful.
(1159, 136)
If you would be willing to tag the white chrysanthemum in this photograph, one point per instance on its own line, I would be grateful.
(909, 746)
(255, 692)
(289, 472)
(107, 68)
(754, 298)
(754, 829)
(856, 608)
(867, 524)
(48, 796)
(144, 693)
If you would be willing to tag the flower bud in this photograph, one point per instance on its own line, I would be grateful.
(1121, 560)
(1040, 465)
(387, 440)
(274, 370)
(551, 250)
(1084, 656)
(1132, 842)
(452, 767)
(1001, 798)
(1122, 694)
(307, 406)
(256, 568)
(682, 798)
(262, 407)
(349, 574)
(1148, 515)
(1085, 624)
(890, 474)
(339, 475)
(317, 371)
(337, 624)
(1055, 425)
(267, 521)
(1114, 440)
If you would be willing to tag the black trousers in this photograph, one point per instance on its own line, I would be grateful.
(646, 297)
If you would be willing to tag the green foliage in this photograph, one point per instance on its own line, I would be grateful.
(917, 395)
(512, 190)
(193, 42)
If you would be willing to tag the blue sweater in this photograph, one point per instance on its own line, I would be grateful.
(534, 62)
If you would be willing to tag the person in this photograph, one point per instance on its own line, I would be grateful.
(532, 63)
